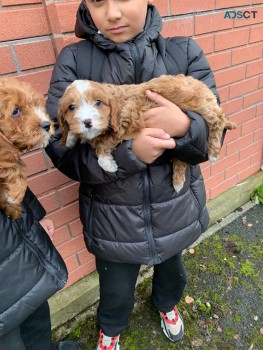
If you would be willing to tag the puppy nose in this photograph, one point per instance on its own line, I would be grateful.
(88, 123)
(45, 125)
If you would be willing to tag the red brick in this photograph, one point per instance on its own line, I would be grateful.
(258, 135)
(19, 25)
(253, 98)
(181, 7)
(72, 263)
(230, 75)
(256, 158)
(239, 144)
(261, 81)
(39, 79)
(219, 60)
(206, 42)
(247, 152)
(252, 125)
(76, 228)
(254, 68)
(256, 1)
(232, 106)
(81, 272)
(64, 215)
(67, 15)
(7, 63)
(250, 21)
(230, 39)
(47, 181)
(35, 162)
(35, 54)
(238, 165)
(69, 193)
(232, 135)
(234, 3)
(243, 87)
(180, 26)
(214, 180)
(247, 53)
(49, 201)
(162, 6)
(61, 236)
(244, 115)
(248, 172)
(19, 2)
(211, 23)
(256, 34)
(223, 93)
(225, 185)
(259, 109)
(71, 246)
(224, 163)
(84, 256)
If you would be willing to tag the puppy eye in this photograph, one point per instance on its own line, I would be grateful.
(16, 112)
(97, 103)
(71, 107)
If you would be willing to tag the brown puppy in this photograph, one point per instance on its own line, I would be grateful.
(105, 114)
(24, 124)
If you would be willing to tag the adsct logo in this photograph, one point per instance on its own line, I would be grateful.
(232, 14)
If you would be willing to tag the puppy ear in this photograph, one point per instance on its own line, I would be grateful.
(115, 115)
(63, 124)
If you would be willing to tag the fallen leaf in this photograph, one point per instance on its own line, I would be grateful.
(249, 225)
(236, 336)
(197, 342)
(261, 330)
(219, 329)
(191, 250)
(188, 299)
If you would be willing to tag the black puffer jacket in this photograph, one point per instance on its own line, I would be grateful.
(134, 215)
(31, 269)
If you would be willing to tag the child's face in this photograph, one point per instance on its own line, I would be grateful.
(119, 20)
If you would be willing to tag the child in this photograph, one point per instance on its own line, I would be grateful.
(31, 270)
(134, 216)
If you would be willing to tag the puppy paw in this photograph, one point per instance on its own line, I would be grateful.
(178, 186)
(212, 159)
(108, 164)
(71, 140)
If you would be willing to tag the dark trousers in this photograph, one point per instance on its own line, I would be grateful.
(33, 334)
(117, 287)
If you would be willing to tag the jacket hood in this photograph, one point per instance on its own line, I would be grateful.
(86, 29)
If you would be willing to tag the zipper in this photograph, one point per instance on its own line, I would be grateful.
(147, 213)
(145, 174)
(136, 59)
(47, 264)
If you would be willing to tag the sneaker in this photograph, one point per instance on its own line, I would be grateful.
(108, 343)
(172, 324)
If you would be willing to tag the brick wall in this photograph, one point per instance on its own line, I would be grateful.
(32, 32)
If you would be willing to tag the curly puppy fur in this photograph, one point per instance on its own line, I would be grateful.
(105, 114)
(24, 124)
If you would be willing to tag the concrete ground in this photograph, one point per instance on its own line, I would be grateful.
(223, 301)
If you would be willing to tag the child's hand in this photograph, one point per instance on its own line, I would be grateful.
(166, 116)
(48, 226)
(150, 144)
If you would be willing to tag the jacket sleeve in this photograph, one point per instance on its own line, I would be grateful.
(34, 204)
(193, 147)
